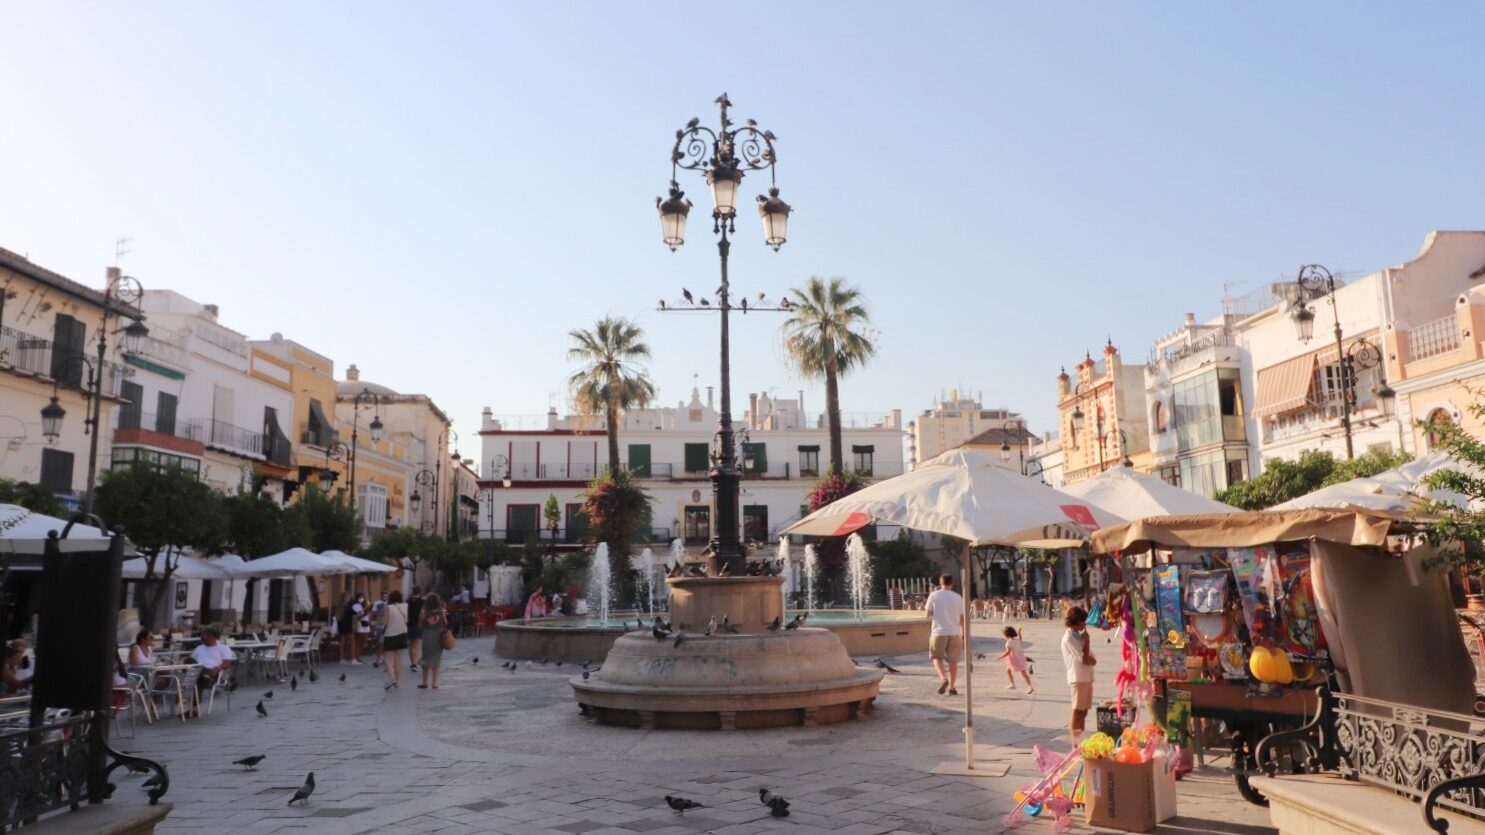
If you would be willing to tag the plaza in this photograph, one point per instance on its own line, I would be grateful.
(501, 752)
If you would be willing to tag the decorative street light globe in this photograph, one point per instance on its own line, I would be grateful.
(1386, 398)
(415, 499)
(51, 420)
(724, 177)
(1005, 451)
(133, 335)
(1304, 324)
(673, 212)
(376, 429)
(1077, 419)
(775, 214)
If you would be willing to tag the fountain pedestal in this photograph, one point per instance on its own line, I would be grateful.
(754, 679)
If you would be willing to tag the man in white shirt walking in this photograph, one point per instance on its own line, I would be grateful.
(1077, 656)
(946, 641)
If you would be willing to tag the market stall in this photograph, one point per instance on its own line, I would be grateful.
(1238, 619)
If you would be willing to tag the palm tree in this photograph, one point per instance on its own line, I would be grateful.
(610, 379)
(823, 339)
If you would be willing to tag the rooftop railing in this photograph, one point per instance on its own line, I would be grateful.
(31, 354)
(1433, 338)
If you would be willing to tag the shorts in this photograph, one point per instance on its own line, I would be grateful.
(415, 633)
(393, 643)
(946, 647)
(1082, 695)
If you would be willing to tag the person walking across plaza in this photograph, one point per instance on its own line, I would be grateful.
(394, 636)
(1077, 657)
(434, 624)
(414, 628)
(1015, 660)
(946, 640)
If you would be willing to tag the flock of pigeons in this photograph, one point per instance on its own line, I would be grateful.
(777, 805)
(783, 304)
(662, 630)
(763, 568)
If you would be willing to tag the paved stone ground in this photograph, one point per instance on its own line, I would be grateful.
(494, 751)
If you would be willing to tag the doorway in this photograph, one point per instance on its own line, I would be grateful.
(697, 525)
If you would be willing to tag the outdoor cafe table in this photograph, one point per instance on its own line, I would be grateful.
(182, 673)
(246, 650)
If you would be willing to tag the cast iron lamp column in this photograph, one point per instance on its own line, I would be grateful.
(425, 478)
(1362, 354)
(376, 430)
(723, 155)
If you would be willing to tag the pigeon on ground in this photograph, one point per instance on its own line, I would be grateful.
(658, 633)
(375, 664)
(681, 804)
(777, 624)
(778, 806)
(543, 662)
(313, 676)
(796, 622)
(475, 660)
(883, 665)
(302, 796)
(136, 768)
(294, 683)
(268, 695)
(587, 664)
(342, 678)
(151, 782)
(559, 663)
(585, 675)
(727, 626)
(680, 635)
(262, 711)
(711, 626)
(249, 762)
(980, 656)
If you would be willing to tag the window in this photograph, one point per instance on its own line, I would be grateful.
(577, 523)
(321, 432)
(522, 521)
(135, 456)
(861, 458)
(1157, 417)
(1170, 475)
(165, 413)
(1439, 423)
(698, 525)
(374, 505)
(68, 336)
(696, 458)
(129, 413)
(275, 442)
(1237, 470)
(755, 522)
(755, 459)
(639, 460)
(809, 461)
(56, 469)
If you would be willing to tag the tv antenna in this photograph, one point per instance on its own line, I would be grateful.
(120, 249)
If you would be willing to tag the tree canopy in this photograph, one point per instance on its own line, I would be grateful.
(1460, 534)
(611, 377)
(824, 339)
(32, 497)
(1282, 479)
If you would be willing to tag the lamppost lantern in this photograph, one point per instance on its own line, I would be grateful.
(1386, 399)
(775, 214)
(1078, 419)
(135, 333)
(416, 499)
(724, 177)
(327, 480)
(673, 211)
(1304, 324)
(376, 429)
(1005, 451)
(51, 420)
(505, 481)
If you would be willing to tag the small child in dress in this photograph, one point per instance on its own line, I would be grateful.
(1015, 660)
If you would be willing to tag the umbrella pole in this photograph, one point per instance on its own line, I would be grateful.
(969, 655)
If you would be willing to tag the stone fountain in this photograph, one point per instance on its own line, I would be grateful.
(753, 679)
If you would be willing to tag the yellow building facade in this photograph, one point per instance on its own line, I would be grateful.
(1101, 415)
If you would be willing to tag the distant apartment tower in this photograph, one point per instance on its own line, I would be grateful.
(951, 423)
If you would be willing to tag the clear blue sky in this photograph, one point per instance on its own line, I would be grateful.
(439, 191)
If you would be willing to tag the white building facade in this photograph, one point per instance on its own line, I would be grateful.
(953, 421)
(783, 453)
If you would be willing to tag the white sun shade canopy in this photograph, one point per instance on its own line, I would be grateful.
(963, 493)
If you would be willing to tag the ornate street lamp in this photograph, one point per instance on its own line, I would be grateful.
(724, 155)
(1314, 279)
(51, 420)
(376, 430)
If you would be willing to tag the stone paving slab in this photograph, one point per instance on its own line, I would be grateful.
(494, 751)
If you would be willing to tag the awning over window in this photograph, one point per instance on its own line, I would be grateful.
(1286, 386)
(809, 447)
(318, 424)
(863, 448)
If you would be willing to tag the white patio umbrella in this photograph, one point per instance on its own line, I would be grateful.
(25, 532)
(186, 568)
(294, 562)
(358, 565)
(967, 494)
(1124, 495)
(1400, 489)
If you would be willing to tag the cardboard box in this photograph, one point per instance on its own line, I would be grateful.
(1165, 786)
(1121, 795)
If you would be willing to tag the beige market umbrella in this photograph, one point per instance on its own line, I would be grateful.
(1400, 489)
(1122, 495)
(971, 495)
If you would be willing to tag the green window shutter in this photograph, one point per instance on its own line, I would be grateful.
(129, 413)
(639, 460)
(523, 518)
(68, 336)
(165, 414)
(759, 454)
(696, 458)
(56, 470)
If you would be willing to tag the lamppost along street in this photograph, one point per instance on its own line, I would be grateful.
(336, 451)
(376, 429)
(1314, 279)
(429, 479)
(121, 297)
(723, 155)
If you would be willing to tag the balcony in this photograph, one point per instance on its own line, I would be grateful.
(34, 356)
(565, 536)
(322, 438)
(662, 471)
(234, 439)
(1431, 339)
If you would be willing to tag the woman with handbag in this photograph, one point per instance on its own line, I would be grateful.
(437, 637)
(393, 622)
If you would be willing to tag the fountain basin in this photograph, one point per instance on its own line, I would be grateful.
(728, 682)
(879, 632)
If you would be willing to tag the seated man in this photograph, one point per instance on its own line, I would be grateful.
(214, 657)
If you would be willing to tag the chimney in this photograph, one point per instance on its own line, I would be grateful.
(709, 397)
(211, 311)
(487, 417)
(110, 275)
(551, 417)
(1190, 320)
(352, 373)
(752, 421)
